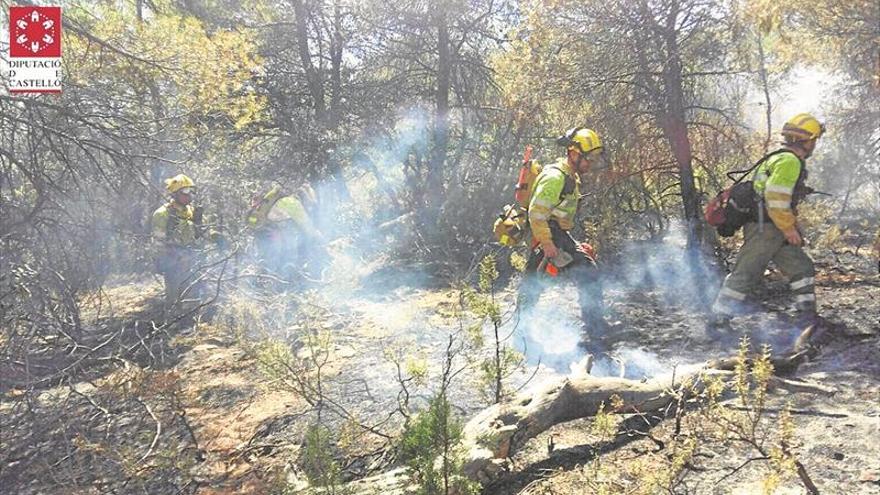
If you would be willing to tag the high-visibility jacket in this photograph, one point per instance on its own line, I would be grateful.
(173, 224)
(555, 197)
(275, 212)
(780, 181)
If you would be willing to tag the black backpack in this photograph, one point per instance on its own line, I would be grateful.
(738, 204)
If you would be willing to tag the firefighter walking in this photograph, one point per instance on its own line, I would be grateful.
(551, 215)
(779, 183)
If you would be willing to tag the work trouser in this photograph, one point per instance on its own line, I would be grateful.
(762, 246)
(289, 253)
(177, 266)
(582, 271)
(278, 248)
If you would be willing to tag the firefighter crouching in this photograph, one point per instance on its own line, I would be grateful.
(287, 241)
(177, 233)
(551, 214)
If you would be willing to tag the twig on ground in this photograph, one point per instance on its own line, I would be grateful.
(738, 468)
(158, 429)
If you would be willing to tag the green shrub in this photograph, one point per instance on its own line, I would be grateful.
(318, 463)
(428, 446)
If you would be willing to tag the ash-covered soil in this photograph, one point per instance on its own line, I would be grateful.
(236, 431)
(655, 331)
(837, 432)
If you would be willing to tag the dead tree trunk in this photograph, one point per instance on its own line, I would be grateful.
(675, 127)
(496, 433)
(439, 152)
(492, 436)
(326, 118)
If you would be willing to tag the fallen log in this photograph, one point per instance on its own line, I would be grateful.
(497, 432)
(491, 437)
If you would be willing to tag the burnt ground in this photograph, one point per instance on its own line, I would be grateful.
(837, 434)
(836, 440)
(233, 429)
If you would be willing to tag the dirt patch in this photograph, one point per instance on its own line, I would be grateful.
(227, 402)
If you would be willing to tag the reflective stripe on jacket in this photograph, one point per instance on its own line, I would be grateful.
(555, 197)
(779, 180)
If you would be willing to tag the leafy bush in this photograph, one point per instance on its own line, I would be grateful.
(502, 360)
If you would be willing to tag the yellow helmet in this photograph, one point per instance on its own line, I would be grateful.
(803, 127)
(581, 139)
(178, 182)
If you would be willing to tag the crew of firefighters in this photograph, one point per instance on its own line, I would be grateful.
(288, 242)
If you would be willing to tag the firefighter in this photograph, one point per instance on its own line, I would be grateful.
(551, 214)
(177, 233)
(779, 183)
(287, 241)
